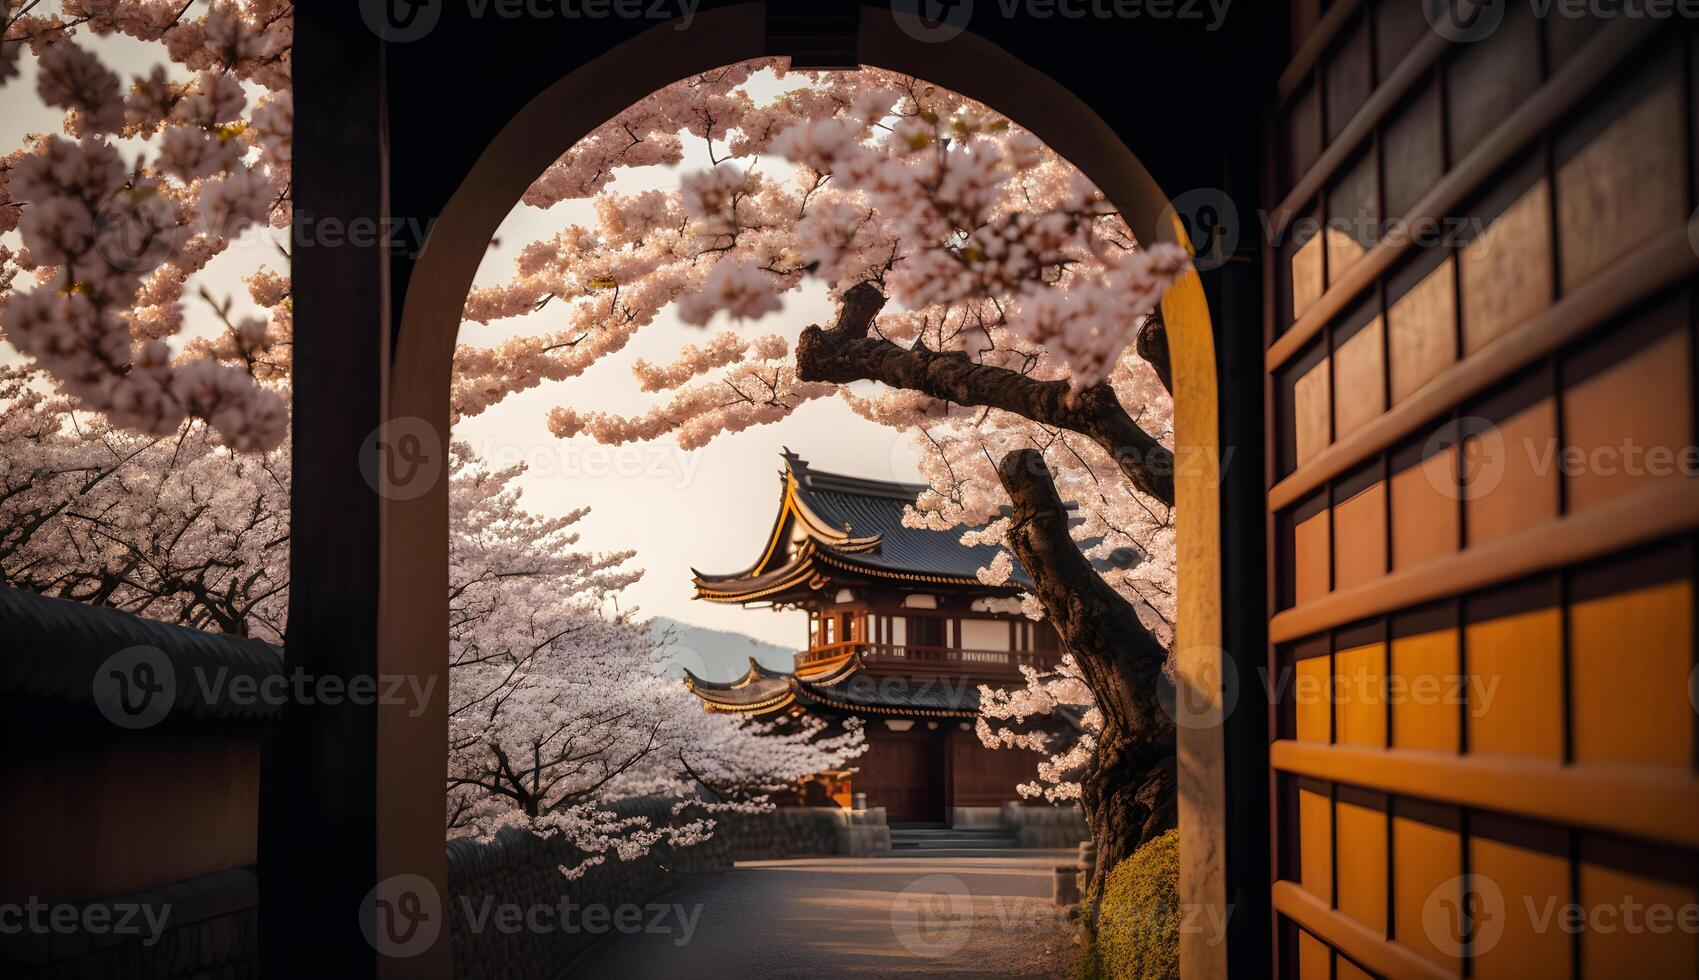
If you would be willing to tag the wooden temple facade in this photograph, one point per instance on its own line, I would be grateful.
(901, 634)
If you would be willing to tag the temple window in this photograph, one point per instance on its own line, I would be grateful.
(928, 631)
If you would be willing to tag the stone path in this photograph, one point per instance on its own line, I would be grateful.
(964, 914)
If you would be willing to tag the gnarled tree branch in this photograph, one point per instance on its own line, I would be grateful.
(846, 353)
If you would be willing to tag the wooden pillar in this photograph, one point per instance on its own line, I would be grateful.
(330, 809)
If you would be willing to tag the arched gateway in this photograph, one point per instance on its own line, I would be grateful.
(1316, 377)
(387, 129)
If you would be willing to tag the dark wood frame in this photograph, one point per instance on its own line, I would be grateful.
(352, 796)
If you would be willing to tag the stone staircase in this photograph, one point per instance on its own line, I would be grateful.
(937, 837)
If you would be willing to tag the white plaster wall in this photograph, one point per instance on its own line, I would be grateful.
(985, 634)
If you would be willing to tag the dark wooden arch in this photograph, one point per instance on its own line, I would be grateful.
(448, 130)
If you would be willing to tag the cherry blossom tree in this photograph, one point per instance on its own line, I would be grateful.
(1053, 714)
(1023, 350)
(556, 707)
(174, 528)
(111, 241)
(1020, 344)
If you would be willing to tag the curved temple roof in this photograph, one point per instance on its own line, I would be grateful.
(830, 525)
(845, 688)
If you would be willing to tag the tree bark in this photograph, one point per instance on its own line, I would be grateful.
(1129, 790)
(846, 353)
(1152, 345)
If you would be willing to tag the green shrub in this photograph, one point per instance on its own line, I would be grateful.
(1138, 925)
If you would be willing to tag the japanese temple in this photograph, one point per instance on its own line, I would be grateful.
(901, 633)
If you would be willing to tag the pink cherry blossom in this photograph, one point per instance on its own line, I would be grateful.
(741, 290)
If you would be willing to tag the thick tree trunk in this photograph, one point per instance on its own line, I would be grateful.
(1129, 790)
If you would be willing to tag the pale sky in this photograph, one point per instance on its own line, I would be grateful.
(710, 508)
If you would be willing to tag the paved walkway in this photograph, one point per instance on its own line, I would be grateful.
(980, 914)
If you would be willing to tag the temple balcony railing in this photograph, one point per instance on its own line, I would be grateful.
(928, 658)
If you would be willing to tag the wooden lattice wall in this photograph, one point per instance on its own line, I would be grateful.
(1482, 625)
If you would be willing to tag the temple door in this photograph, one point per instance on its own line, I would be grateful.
(896, 774)
(1481, 505)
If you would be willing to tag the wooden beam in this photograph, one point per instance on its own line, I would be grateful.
(1360, 942)
(1647, 802)
(1666, 508)
(322, 829)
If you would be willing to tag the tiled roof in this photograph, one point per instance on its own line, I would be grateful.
(921, 695)
(875, 507)
(760, 691)
(830, 525)
(55, 652)
(759, 688)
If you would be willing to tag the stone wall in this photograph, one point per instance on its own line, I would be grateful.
(518, 870)
(1046, 826)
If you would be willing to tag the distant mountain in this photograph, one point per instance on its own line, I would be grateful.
(715, 655)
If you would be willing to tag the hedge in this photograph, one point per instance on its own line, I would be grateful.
(1138, 925)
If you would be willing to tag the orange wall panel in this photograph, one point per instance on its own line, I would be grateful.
(1516, 661)
(1315, 836)
(1621, 903)
(1425, 502)
(1359, 537)
(1425, 661)
(1315, 959)
(1512, 877)
(1359, 365)
(1427, 856)
(1312, 696)
(1361, 853)
(1360, 700)
(1506, 489)
(1616, 440)
(1421, 326)
(1631, 655)
(1505, 272)
(1310, 552)
(1312, 407)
